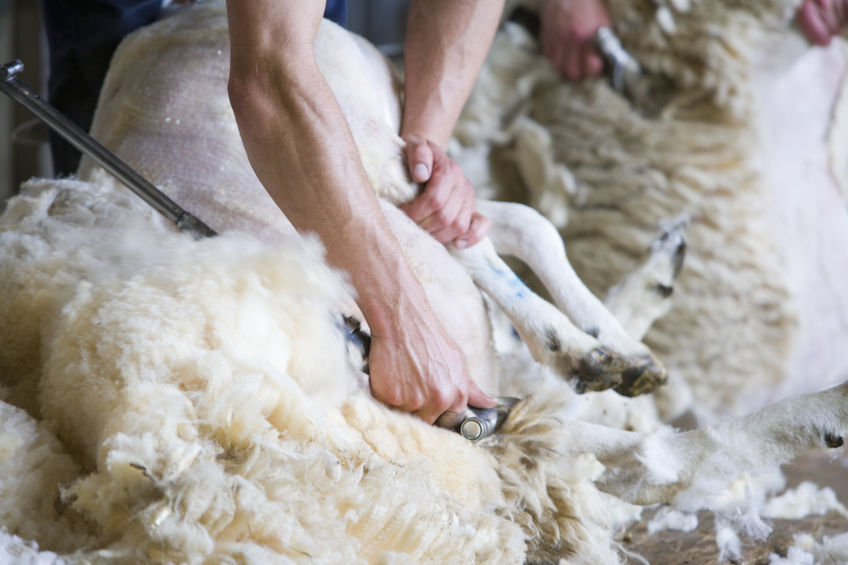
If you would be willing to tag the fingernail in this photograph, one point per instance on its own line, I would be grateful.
(461, 243)
(421, 172)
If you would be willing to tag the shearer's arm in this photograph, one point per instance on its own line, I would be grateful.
(446, 44)
(298, 142)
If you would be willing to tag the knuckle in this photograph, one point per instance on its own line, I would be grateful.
(412, 139)
(444, 217)
(421, 152)
(444, 237)
(438, 199)
(463, 224)
(392, 396)
(416, 401)
(438, 398)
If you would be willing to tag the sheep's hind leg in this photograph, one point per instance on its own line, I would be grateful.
(550, 335)
(655, 468)
(521, 232)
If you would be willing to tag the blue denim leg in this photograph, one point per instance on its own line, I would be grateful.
(82, 35)
(336, 10)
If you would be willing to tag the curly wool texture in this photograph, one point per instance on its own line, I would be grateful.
(608, 171)
(204, 409)
(33, 467)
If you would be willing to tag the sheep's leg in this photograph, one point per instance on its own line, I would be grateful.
(522, 232)
(644, 296)
(550, 335)
(655, 468)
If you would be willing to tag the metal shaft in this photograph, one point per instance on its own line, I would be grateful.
(77, 137)
(623, 68)
(477, 423)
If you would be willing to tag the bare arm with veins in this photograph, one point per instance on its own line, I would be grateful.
(446, 44)
(299, 144)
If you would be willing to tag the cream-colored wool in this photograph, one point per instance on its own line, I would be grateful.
(608, 171)
(807, 551)
(197, 381)
(196, 386)
(33, 468)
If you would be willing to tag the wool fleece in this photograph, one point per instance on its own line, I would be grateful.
(168, 400)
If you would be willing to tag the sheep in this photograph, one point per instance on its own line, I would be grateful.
(723, 138)
(195, 383)
(366, 89)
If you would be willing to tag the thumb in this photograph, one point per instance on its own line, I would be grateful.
(479, 399)
(419, 158)
(813, 24)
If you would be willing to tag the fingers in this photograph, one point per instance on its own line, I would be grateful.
(477, 230)
(554, 48)
(449, 419)
(453, 416)
(479, 399)
(425, 402)
(568, 36)
(575, 58)
(447, 207)
(812, 21)
(447, 398)
(592, 62)
(822, 19)
(453, 220)
(419, 158)
(443, 176)
(430, 414)
(573, 62)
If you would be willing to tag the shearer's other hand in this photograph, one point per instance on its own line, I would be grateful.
(416, 367)
(568, 29)
(822, 19)
(447, 207)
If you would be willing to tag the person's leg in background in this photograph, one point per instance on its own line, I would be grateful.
(82, 35)
(336, 10)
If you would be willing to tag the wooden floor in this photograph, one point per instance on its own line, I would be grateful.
(699, 546)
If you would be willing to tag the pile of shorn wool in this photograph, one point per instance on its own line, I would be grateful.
(172, 400)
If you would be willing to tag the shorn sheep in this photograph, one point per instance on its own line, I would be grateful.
(744, 131)
(172, 400)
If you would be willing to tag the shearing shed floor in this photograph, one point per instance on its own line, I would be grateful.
(699, 546)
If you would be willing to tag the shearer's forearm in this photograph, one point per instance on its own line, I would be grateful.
(446, 43)
(302, 151)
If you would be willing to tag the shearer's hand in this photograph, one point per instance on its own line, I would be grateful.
(568, 30)
(416, 367)
(822, 19)
(447, 207)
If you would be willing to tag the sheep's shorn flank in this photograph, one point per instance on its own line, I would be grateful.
(170, 400)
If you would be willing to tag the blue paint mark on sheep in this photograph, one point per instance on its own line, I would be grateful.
(516, 285)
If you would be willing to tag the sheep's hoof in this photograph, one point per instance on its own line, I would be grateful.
(833, 440)
(599, 370)
(642, 377)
